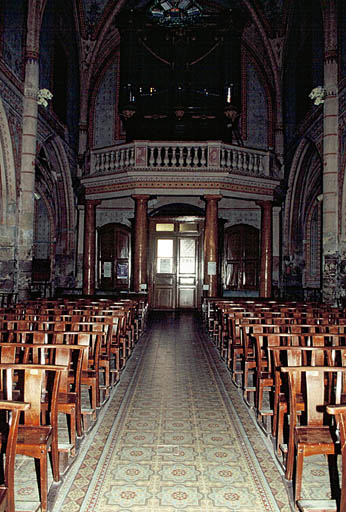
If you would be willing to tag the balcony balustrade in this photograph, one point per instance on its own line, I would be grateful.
(190, 156)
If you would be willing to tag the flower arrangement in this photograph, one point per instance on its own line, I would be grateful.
(318, 94)
(42, 96)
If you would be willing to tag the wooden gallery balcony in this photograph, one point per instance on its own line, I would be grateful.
(192, 168)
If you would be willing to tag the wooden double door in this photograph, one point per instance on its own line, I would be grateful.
(114, 257)
(175, 249)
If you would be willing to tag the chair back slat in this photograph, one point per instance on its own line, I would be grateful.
(315, 390)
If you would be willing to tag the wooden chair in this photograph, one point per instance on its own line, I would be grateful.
(264, 372)
(248, 327)
(34, 437)
(90, 370)
(292, 356)
(103, 325)
(339, 411)
(8, 439)
(69, 394)
(315, 436)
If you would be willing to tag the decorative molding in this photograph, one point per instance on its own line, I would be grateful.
(12, 99)
(87, 48)
(207, 186)
(277, 46)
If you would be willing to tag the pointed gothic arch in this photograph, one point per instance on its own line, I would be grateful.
(304, 187)
(54, 184)
(7, 171)
(8, 206)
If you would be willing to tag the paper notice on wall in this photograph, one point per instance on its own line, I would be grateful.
(211, 268)
(107, 269)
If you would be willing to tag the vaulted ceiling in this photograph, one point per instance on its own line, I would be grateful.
(95, 13)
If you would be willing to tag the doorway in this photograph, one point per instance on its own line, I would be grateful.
(114, 256)
(241, 258)
(176, 264)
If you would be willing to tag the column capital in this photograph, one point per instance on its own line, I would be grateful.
(92, 202)
(212, 197)
(83, 125)
(141, 197)
(265, 203)
(32, 56)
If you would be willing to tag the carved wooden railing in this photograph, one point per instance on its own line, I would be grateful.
(211, 155)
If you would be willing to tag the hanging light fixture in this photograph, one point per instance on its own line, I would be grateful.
(175, 12)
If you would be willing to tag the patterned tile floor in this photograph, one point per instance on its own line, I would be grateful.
(175, 435)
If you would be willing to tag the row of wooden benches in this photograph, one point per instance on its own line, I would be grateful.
(50, 350)
(290, 361)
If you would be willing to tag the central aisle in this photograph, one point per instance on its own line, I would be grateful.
(182, 438)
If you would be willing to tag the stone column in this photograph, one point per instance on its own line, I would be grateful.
(211, 245)
(330, 215)
(26, 208)
(140, 259)
(266, 263)
(89, 247)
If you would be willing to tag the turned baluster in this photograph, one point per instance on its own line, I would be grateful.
(97, 163)
(260, 165)
(256, 164)
(151, 157)
(251, 163)
(126, 162)
(166, 156)
(223, 158)
(132, 157)
(121, 159)
(203, 157)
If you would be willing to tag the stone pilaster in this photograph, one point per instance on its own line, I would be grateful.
(330, 242)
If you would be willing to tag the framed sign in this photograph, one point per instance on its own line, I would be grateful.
(122, 270)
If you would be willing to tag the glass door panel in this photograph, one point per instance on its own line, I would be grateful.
(164, 287)
(164, 260)
(187, 278)
(187, 256)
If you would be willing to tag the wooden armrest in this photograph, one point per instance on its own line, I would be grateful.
(336, 409)
(10, 404)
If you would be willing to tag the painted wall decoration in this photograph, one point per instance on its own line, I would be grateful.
(42, 231)
(257, 112)
(342, 37)
(16, 134)
(12, 28)
(108, 216)
(59, 64)
(250, 216)
(46, 41)
(93, 10)
(104, 116)
(271, 8)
